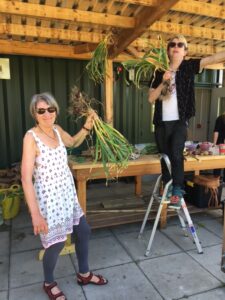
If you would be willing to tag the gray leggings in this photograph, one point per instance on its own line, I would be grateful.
(81, 233)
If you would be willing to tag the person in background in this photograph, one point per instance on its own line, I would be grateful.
(50, 192)
(218, 138)
(172, 92)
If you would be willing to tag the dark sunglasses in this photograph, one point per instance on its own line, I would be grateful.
(173, 44)
(41, 111)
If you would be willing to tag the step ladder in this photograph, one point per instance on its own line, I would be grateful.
(182, 212)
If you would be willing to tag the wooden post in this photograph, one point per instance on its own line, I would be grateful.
(108, 92)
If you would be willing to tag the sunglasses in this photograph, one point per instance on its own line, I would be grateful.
(41, 111)
(179, 45)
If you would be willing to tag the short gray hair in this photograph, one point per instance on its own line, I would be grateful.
(46, 97)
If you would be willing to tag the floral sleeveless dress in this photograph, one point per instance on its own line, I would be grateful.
(55, 191)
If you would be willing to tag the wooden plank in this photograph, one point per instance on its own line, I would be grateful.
(45, 50)
(67, 51)
(198, 8)
(84, 48)
(187, 6)
(140, 2)
(122, 203)
(40, 49)
(81, 194)
(193, 49)
(108, 92)
(146, 17)
(64, 14)
(109, 219)
(188, 30)
(50, 33)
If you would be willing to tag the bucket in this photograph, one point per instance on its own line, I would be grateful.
(222, 149)
(11, 202)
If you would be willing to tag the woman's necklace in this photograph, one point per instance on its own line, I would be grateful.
(53, 138)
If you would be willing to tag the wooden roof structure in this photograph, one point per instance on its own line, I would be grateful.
(73, 28)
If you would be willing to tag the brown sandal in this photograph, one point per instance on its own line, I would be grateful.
(48, 291)
(81, 280)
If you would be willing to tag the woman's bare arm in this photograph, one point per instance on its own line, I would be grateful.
(27, 166)
(77, 139)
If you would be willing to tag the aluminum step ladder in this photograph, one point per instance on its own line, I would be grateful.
(182, 212)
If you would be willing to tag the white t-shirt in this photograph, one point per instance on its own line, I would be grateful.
(169, 105)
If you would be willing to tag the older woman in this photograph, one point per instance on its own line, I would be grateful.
(51, 197)
(176, 88)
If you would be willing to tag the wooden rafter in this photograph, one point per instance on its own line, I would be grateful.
(40, 49)
(64, 14)
(146, 17)
(188, 30)
(193, 49)
(84, 48)
(196, 7)
(67, 51)
(50, 33)
(46, 50)
(188, 6)
(141, 2)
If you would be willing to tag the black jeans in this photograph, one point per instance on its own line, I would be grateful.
(170, 138)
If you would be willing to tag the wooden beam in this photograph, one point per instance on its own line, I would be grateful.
(64, 14)
(46, 50)
(108, 92)
(187, 6)
(188, 30)
(50, 33)
(67, 51)
(84, 48)
(133, 51)
(200, 8)
(41, 50)
(146, 17)
(141, 2)
(193, 49)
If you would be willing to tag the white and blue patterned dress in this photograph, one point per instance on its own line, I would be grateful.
(55, 191)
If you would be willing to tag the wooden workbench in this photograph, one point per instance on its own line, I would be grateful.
(148, 164)
(144, 165)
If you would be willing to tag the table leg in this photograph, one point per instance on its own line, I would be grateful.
(82, 194)
(163, 217)
(138, 186)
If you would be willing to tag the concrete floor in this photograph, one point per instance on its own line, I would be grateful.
(174, 269)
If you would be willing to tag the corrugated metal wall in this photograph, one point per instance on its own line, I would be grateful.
(30, 75)
(132, 112)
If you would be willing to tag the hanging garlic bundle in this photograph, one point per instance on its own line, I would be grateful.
(111, 147)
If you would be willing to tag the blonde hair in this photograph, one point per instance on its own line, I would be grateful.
(181, 38)
(46, 97)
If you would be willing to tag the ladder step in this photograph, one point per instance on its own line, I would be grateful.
(159, 198)
(174, 207)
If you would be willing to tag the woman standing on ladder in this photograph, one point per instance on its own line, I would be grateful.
(173, 94)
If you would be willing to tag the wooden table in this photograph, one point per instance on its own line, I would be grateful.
(144, 165)
(148, 164)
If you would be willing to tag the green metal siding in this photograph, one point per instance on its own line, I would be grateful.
(132, 112)
(31, 75)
